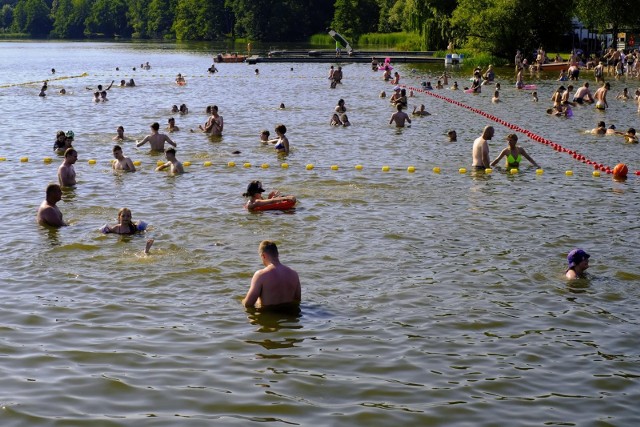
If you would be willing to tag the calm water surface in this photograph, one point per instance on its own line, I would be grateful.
(429, 299)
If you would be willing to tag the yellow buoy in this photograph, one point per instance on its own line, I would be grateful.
(284, 165)
(462, 170)
(48, 159)
(265, 166)
(596, 173)
(385, 168)
(231, 164)
(513, 171)
(411, 169)
(187, 163)
(92, 161)
(488, 170)
(206, 164)
(539, 171)
(3, 159)
(568, 173)
(334, 167)
(358, 167)
(247, 165)
(159, 163)
(137, 163)
(436, 169)
(310, 166)
(24, 159)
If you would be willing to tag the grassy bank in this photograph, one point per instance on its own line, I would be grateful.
(393, 41)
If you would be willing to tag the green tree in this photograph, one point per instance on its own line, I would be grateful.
(503, 26)
(160, 18)
(138, 16)
(610, 15)
(108, 17)
(32, 17)
(6, 16)
(199, 19)
(352, 18)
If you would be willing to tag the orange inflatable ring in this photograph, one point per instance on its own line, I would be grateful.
(282, 205)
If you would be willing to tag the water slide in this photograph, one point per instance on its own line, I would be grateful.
(339, 39)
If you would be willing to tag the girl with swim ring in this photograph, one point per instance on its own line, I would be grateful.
(125, 224)
(275, 201)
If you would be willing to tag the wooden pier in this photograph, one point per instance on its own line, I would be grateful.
(329, 56)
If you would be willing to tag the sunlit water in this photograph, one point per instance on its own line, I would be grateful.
(428, 299)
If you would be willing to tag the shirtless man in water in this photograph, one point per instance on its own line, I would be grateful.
(48, 212)
(399, 117)
(156, 139)
(122, 163)
(215, 123)
(481, 149)
(66, 172)
(276, 285)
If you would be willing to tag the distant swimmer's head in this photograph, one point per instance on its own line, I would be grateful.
(397, 88)
(601, 125)
(631, 131)
(576, 256)
(254, 187)
(612, 127)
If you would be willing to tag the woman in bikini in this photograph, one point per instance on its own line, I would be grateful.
(513, 154)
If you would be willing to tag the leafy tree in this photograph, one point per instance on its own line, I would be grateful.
(138, 17)
(108, 17)
(199, 19)
(503, 26)
(352, 18)
(160, 18)
(6, 16)
(610, 14)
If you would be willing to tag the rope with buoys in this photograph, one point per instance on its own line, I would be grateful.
(533, 136)
(45, 80)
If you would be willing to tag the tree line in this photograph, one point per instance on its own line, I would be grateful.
(496, 26)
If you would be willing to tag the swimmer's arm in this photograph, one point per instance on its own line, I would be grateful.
(163, 167)
(272, 141)
(571, 274)
(129, 166)
(169, 141)
(254, 291)
(110, 85)
(502, 154)
(144, 141)
(528, 157)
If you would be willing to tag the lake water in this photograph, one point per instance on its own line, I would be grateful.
(428, 299)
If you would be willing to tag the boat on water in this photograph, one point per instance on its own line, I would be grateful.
(555, 66)
(229, 57)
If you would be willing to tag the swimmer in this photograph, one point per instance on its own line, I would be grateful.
(254, 192)
(583, 95)
(578, 263)
(281, 142)
(130, 83)
(421, 112)
(396, 95)
(174, 166)
(172, 125)
(383, 94)
(399, 117)
(534, 96)
(63, 91)
(439, 85)
(445, 78)
(276, 286)
(428, 86)
(340, 107)
(396, 78)
(66, 172)
(257, 72)
(624, 95)
(514, 154)
(497, 86)
(496, 97)
(345, 120)
(96, 96)
(335, 120)
(48, 213)
(121, 163)
(601, 97)
(103, 96)
(453, 136)
(630, 137)
(455, 86)
(281, 107)
(123, 83)
(480, 150)
(156, 140)
(601, 129)
(175, 109)
(215, 123)
(180, 80)
(264, 136)
(611, 130)
(60, 143)
(125, 225)
(119, 134)
(410, 93)
(184, 109)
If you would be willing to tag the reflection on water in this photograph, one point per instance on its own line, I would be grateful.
(426, 296)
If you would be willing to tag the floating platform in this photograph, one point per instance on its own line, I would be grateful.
(329, 56)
